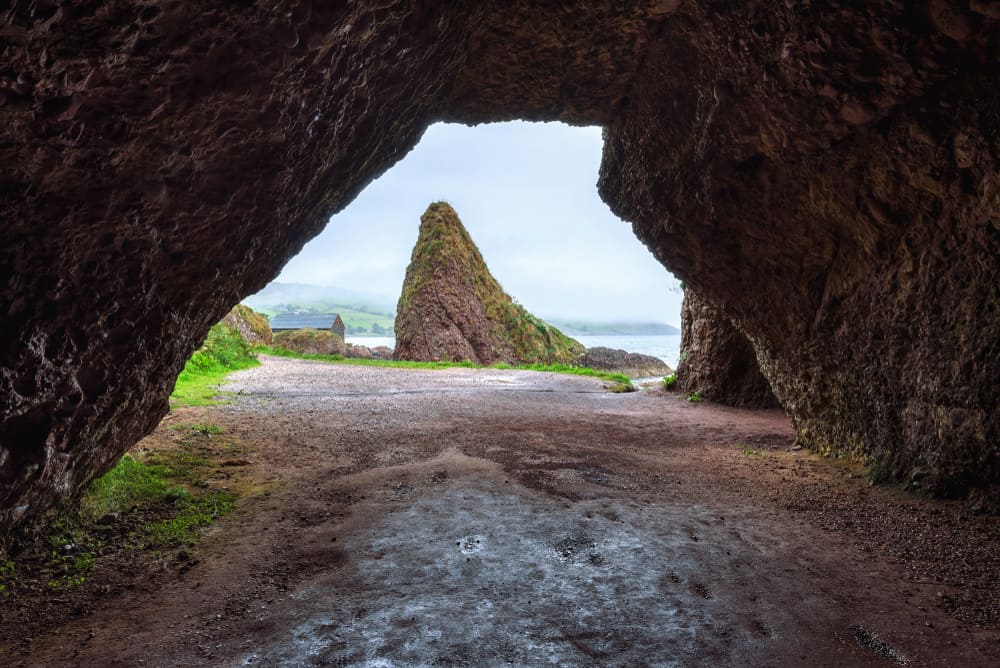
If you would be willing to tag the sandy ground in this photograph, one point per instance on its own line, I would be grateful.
(479, 517)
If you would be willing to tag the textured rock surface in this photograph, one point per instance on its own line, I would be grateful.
(717, 360)
(634, 365)
(831, 176)
(358, 351)
(827, 171)
(252, 326)
(310, 341)
(451, 307)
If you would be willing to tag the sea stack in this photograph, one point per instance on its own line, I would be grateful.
(451, 307)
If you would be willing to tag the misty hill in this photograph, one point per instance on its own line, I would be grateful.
(597, 328)
(451, 307)
(303, 298)
(369, 312)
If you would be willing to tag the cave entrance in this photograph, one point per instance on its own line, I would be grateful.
(526, 194)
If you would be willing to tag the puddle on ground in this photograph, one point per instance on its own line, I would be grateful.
(482, 573)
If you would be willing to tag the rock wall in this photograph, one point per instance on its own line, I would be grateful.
(829, 171)
(831, 176)
(717, 360)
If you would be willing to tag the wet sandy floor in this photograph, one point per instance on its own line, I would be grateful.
(477, 518)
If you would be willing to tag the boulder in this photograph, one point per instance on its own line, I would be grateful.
(310, 341)
(358, 351)
(634, 365)
(252, 326)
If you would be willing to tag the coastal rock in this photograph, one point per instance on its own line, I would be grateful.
(252, 326)
(634, 365)
(829, 173)
(382, 353)
(451, 307)
(358, 351)
(717, 360)
(310, 341)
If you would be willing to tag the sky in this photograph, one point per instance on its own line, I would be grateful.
(527, 194)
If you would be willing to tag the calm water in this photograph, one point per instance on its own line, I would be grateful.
(667, 348)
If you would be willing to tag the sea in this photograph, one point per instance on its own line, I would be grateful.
(667, 346)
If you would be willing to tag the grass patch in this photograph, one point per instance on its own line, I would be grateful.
(147, 502)
(694, 397)
(749, 452)
(223, 351)
(618, 378)
(669, 382)
(128, 484)
(185, 528)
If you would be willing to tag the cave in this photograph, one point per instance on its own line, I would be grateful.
(809, 170)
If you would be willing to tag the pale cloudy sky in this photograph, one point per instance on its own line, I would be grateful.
(527, 194)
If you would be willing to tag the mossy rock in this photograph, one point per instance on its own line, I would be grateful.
(452, 308)
(310, 341)
(252, 326)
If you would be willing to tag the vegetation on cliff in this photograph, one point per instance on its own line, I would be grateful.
(451, 307)
(223, 351)
(252, 326)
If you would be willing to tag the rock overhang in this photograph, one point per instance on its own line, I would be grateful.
(806, 169)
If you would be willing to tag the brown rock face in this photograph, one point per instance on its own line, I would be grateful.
(451, 307)
(828, 172)
(634, 365)
(717, 360)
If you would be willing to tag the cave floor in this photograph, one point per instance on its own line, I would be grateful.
(398, 517)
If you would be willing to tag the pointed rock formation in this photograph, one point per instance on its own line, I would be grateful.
(451, 307)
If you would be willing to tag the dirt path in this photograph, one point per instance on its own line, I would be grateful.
(480, 517)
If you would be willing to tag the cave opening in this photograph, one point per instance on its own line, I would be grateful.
(525, 192)
(824, 178)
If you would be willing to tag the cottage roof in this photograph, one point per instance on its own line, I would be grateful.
(314, 320)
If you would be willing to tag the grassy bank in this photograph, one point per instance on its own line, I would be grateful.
(224, 351)
(151, 504)
(621, 381)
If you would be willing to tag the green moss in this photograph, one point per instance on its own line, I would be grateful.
(256, 324)
(157, 506)
(309, 340)
(130, 483)
(194, 513)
